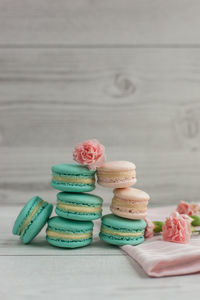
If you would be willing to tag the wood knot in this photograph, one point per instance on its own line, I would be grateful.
(189, 124)
(122, 86)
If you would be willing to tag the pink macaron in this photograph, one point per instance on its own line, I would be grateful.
(117, 174)
(130, 203)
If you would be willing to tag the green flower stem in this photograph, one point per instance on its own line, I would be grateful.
(158, 226)
(196, 220)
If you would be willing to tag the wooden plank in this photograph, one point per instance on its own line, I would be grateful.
(143, 104)
(148, 98)
(107, 277)
(168, 177)
(85, 22)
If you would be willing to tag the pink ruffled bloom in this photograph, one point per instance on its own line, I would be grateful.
(188, 208)
(177, 228)
(148, 233)
(90, 153)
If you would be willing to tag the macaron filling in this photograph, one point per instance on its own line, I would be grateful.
(73, 179)
(121, 234)
(72, 207)
(134, 204)
(116, 176)
(68, 235)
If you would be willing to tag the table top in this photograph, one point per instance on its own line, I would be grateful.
(99, 270)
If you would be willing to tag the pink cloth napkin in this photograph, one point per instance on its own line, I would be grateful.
(159, 258)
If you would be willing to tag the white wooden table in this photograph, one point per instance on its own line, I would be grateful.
(99, 271)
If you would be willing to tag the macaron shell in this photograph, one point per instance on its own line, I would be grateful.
(73, 169)
(73, 188)
(60, 224)
(77, 216)
(131, 194)
(117, 166)
(38, 223)
(68, 244)
(113, 241)
(79, 198)
(122, 224)
(24, 213)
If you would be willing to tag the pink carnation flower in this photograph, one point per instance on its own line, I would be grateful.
(90, 153)
(148, 233)
(188, 208)
(177, 228)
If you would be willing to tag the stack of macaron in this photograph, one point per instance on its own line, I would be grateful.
(76, 208)
(126, 224)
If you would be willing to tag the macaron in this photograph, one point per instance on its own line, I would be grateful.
(117, 174)
(119, 231)
(79, 206)
(32, 219)
(130, 203)
(73, 178)
(66, 233)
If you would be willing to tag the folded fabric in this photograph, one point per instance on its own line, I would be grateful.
(159, 258)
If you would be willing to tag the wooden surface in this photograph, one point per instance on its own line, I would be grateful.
(108, 23)
(41, 271)
(124, 71)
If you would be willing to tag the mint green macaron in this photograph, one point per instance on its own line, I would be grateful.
(32, 219)
(79, 206)
(73, 178)
(66, 233)
(118, 231)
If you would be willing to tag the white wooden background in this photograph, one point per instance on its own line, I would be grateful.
(124, 71)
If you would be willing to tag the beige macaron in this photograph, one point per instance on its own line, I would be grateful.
(117, 174)
(130, 203)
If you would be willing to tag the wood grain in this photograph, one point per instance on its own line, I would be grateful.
(148, 98)
(94, 23)
(100, 270)
(143, 104)
(168, 177)
(92, 278)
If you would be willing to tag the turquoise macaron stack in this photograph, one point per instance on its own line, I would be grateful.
(75, 208)
(119, 231)
(32, 219)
